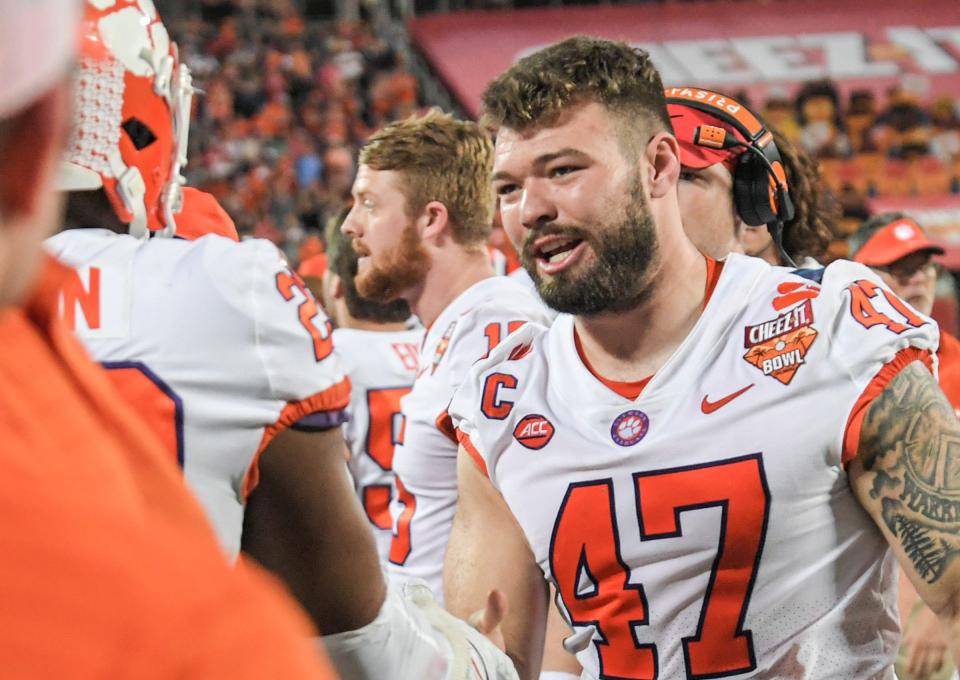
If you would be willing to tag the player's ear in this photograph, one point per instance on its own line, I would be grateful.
(335, 286)
(663, 156)
(31, 144)
(434, 222)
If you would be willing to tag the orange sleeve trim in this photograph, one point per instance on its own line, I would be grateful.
(445, 424)
(334, 398)
(949, 368)
(851, 437)
(468, 446)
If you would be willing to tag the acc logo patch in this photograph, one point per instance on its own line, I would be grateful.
(534, 431)
(778, 347)
(629, 427)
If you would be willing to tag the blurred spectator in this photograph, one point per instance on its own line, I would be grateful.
(287, 104)
(821, 121)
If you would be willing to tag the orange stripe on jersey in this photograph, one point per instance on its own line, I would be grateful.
(634, 388)
(333, 398)
(445, 425)
(468, 446)
(714, 269)
(851, 437)
(626, 389)
(949, 368)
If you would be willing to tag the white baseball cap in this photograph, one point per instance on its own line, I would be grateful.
(38, 40)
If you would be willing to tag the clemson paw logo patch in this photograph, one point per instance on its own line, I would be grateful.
(777, 347)
(629, 427)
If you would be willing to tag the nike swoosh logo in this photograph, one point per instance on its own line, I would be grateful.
(708, 406)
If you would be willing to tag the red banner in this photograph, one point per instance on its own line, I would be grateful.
(731, 46)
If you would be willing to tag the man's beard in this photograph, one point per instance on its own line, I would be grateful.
(624, 249)
(397, 271)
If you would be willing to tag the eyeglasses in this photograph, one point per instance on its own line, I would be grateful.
(904, 268)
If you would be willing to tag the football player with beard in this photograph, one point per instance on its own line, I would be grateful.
(379, 350)
(717, 464)
(422, 215)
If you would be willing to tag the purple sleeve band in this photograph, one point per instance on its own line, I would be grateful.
(322, 420)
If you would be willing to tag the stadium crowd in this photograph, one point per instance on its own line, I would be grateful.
(287, 104)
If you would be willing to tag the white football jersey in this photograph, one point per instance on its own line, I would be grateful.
(382, 366)
(706, 528)
(217, 344)
(425, 460)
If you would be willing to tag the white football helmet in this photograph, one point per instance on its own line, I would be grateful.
(132, 115)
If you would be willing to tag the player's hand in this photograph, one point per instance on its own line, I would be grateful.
(488, 619)
(475, 656)
(926, 645)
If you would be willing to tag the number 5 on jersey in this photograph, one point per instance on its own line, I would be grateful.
(384, 432)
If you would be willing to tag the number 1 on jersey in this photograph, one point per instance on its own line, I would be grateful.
(594, 581)
(494, 334)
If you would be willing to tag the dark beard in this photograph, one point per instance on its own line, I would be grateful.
(400, 270)
(624, 249)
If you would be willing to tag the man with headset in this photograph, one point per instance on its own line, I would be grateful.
(716, 463)
(743, 186)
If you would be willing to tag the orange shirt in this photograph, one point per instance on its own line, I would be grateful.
(107, 565)
(949, 355)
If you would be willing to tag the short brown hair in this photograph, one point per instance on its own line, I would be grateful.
(539, 87)
(810, 231)
(440, 159)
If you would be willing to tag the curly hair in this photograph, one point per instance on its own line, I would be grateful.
(440, 158)
(810, 231)
(539, 87)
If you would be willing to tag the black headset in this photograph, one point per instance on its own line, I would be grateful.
(760, 190)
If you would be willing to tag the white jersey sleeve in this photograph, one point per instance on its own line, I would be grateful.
(486, 394)
(295, 344)
(872, 335)
(425, 460)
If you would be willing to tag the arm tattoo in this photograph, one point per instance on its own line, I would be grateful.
(910, 441)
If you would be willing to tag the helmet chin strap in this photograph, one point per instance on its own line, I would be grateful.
(171, 203)
(131, 188)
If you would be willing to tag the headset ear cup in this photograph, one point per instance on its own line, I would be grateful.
(751, 191)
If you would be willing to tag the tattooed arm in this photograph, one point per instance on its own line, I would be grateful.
(906, 474)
